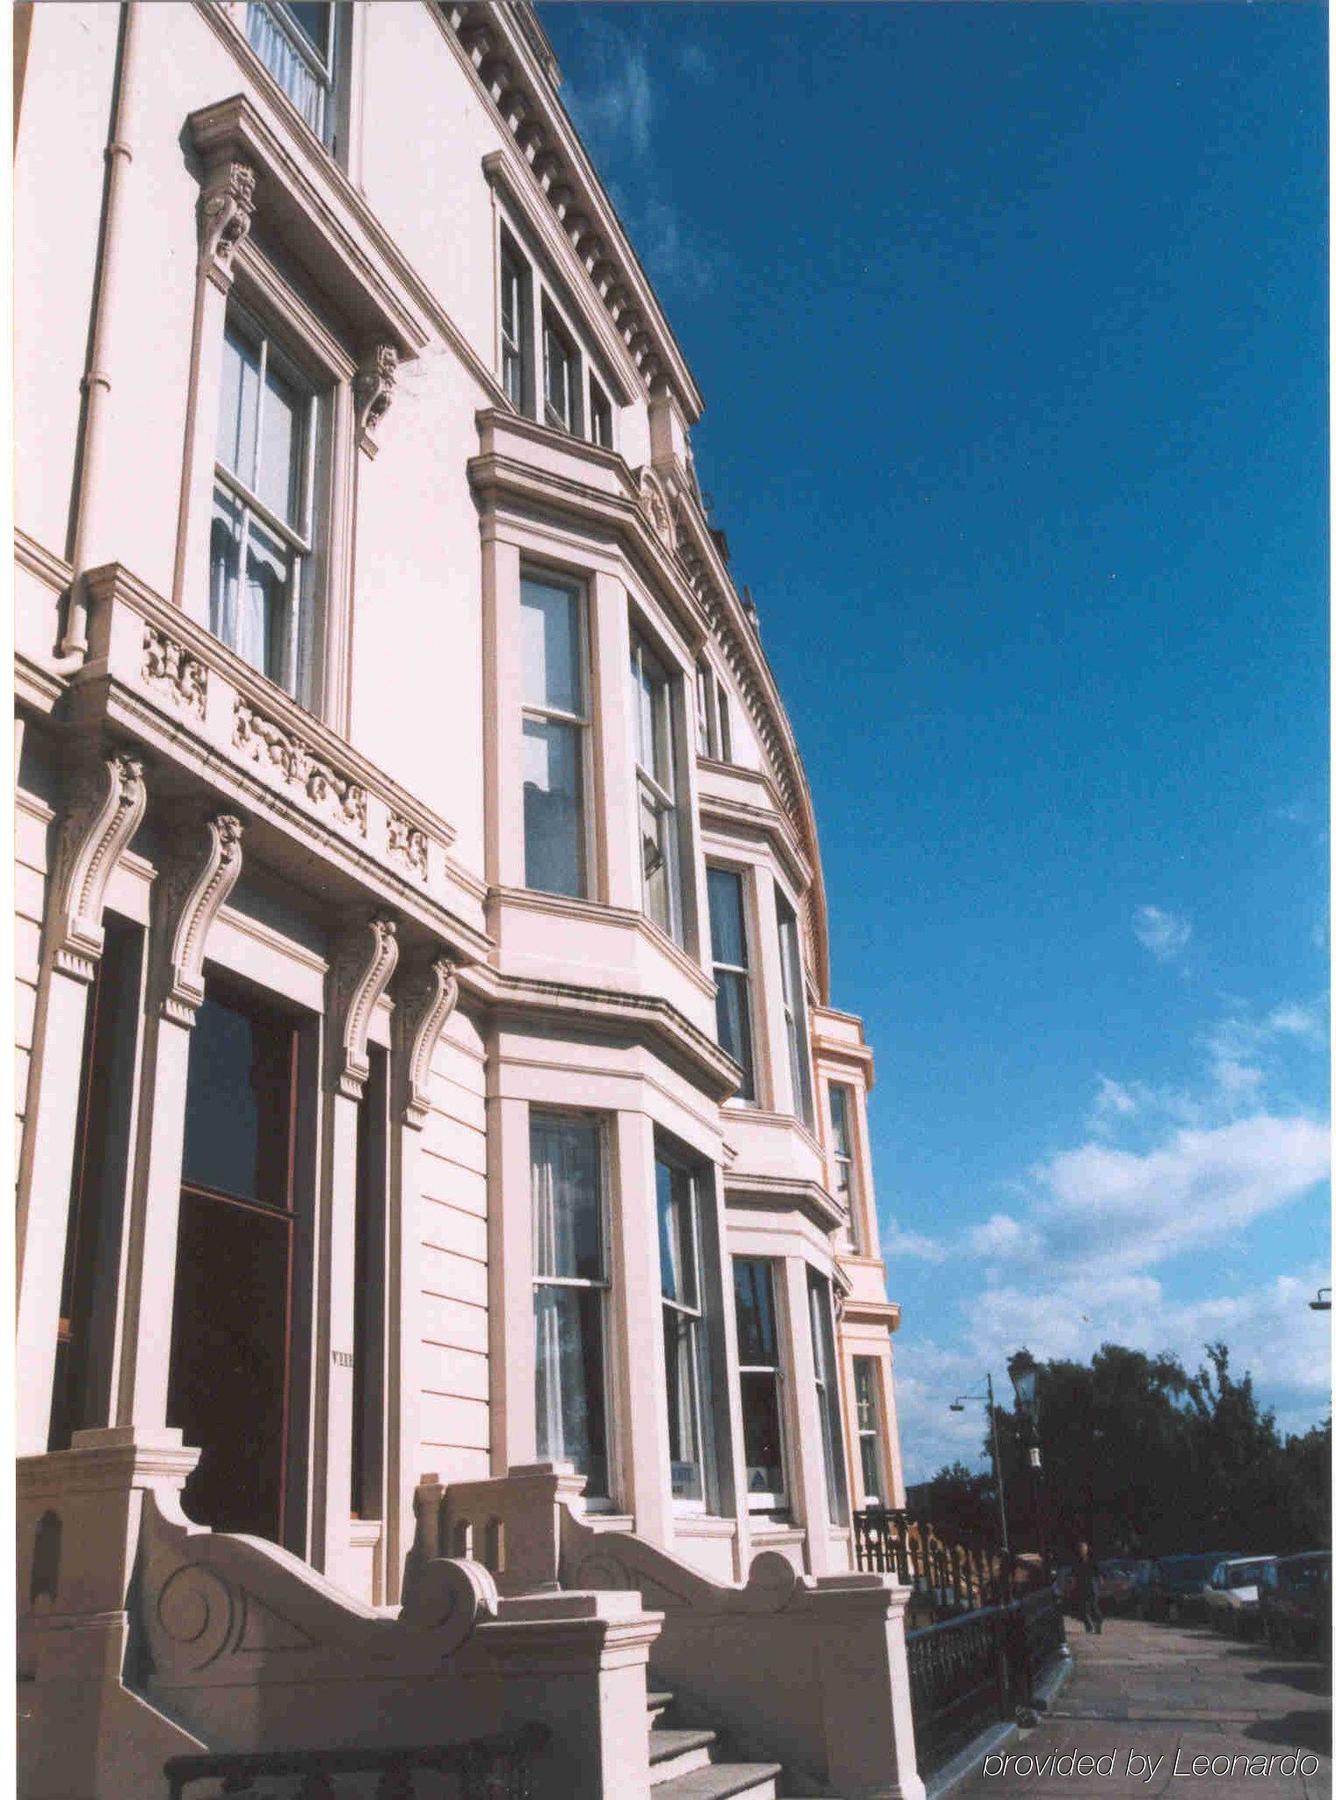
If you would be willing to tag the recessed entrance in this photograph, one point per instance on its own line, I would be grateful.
(232, 1318)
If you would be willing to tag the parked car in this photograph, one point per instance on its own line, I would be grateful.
(1295, 1604)
(1231, 1595)
(1177, 1583)
(1122, 1582)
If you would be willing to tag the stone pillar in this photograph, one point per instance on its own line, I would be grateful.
(424, 999)
(510, 1283)
(362, 963)
(732, 1451)
(503, 743)
(81, 1731)
(807, 1473)
(105, 805)
(638, 1331)
(190, 889)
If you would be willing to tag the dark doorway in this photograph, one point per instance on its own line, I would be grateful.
(232, 1317)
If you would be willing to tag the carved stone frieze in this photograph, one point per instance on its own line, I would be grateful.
(175, 671)
(267, 742)
(423, 1003)
(192, 888)
(364, 959)
(226, 207)
(373, 387)
(407, 843)
(104, 808)
(655, 505)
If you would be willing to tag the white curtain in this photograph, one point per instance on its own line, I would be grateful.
(238, 610)
(563, 1182)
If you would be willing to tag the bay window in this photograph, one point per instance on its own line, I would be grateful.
(795, 1010)
(570, 1275)
(295, 40)
(869, 1431)
(555, 723)
(728, 949)
(678, 1202)
(827, 1398)
(656, 786)
(759, 1379)
(263, 550)
(842, 1150)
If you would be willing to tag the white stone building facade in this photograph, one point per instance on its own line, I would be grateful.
(437, 1148)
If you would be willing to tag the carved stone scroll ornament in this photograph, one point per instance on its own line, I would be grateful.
(105, 806)
(360, 971)
(373, 386)
(174, 671)
(655, 504)
(407, 844)
(265, 741)
(193, 891)
(226, 207)
(425, 1001)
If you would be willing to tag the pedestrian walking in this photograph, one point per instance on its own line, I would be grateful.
(1085, 1586)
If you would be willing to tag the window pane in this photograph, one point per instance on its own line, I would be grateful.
(567, 1209)
(680, 1348)
(568, 1381)
(728, 938)
(226, 609)
(274, 36)
(867, 1450)
(239, 405)
(823, 1357)
(677, 1247)
(239, 1103)
(550, 646)
(753, 1288)
(269, 575)
(312, 20)
(657, 861)
(865, 1393)
(762, 1444)
(733, 1026)
(839, 1121)
(553, 812)
(282, 416)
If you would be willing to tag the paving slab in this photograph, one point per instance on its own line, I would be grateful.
(1152, 1698)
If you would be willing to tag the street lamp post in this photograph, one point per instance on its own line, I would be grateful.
(1024, 1373)
(958, 1405)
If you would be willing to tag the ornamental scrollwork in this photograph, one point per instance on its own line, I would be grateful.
(407, 843)
(364, 959)
(170, 667)
(373, 386)
(106, 803)
(423, 1003)
(193, 890)
(267, 742)
(227, 205)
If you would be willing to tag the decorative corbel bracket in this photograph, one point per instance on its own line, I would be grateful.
(193, 893)
(373, 388)
(105, 806)
(226, 208)
(360, 971)
(425, 1001)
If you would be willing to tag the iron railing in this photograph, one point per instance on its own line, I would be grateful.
(947, 1577)
(967, 1673)
(488, 1768)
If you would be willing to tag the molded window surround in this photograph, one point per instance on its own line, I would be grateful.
(871, 1454)
(844, 1154)
(730, 953)
(795, 1009)
(556, 719)
(761, 1379)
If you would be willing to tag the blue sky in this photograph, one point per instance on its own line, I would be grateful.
(1011, 323)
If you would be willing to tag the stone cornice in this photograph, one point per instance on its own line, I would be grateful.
(607, 1010)
(565, 906)
(500, 54)
(735, 818)
(784, 1193)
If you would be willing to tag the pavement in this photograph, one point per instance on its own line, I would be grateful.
(1171, 1710)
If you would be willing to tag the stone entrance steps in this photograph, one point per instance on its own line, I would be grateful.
(688, 1763)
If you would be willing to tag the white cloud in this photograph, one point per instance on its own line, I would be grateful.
(1307, 1022)
(1133, 1210)
(1113, 1102)
(1165, 934)
(1001, 1236)
(898, 1244)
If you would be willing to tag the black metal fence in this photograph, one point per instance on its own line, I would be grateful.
(969, 1672)
(488, 1768)
(948, 1577)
